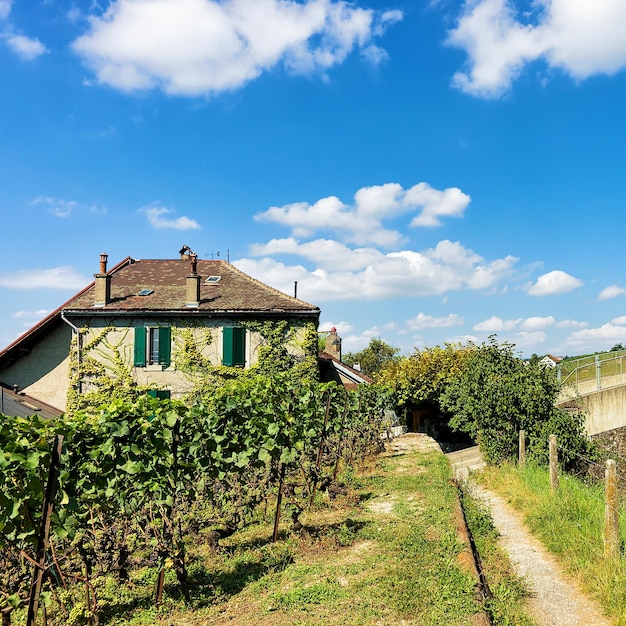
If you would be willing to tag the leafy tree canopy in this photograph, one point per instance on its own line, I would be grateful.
(374, 358)
(496, 394)
(422, 376)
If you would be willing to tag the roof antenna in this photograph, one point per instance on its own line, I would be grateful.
(295, 288)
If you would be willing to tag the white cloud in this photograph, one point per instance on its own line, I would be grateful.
(579, 37)
(612, 291)
(447, 267)
(155, 218)
(422, 320)
(495, 324)
(620, 321)
(325, 253)
(64, 277)
(526, 339)
(571, 324)
(538, 323)
(528, 326)
(361, 222)
(24, 47)
(554, 283)
(30, 315)
(59, 207)
(341, 327)
(601, 338)
(199, 47)
(5, 9)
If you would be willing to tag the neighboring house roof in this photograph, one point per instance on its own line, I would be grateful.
(18, 404)
(234, 293)
(551, 359)
(333, 369)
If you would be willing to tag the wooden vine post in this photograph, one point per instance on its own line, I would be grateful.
(611, 518)
(554, 465)
(44, 531)
(167, 518)
(320, 450)
(279, 502)
(340, 442)
(522, 448)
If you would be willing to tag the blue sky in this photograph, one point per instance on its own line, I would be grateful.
(427, 171)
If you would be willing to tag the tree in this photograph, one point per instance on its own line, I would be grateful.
(422, 376)
(496, 394)
(374, 358)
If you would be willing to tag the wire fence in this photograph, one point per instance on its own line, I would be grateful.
(604, 475)
(592, 374)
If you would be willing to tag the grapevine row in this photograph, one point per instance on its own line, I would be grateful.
(160, 471)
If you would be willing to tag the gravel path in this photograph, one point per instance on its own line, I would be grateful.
(555, 598)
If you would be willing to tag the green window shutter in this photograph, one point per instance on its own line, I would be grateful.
(161, 394)
(140, 346)
(234, 348)
(165, 345)
(239, 346)
(227, 352)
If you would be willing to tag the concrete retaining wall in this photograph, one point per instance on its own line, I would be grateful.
(604, 410)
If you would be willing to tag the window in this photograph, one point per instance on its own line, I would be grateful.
(234, 346)
(213, 280)
(152, 346)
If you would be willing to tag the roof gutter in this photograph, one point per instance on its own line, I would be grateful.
(184, 312)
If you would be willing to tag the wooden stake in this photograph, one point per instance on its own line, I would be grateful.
(44, 531)
(611, 518)
(554, 465)
(522, 448)
(279, 503)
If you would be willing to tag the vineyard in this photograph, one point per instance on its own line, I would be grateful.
(137, 481)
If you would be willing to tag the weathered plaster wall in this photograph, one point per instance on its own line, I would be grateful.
(43, 372)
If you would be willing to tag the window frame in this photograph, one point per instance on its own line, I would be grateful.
(146, 338)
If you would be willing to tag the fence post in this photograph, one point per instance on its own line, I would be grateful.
(44, 531)
(611, 519)
(522, 448)
(598, 373)
(554, 467)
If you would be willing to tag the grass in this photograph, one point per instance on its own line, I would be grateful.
(387, 553)
(570, 523)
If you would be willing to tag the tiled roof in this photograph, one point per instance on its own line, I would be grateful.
(331, 363)
(19, 404)
(235, 291)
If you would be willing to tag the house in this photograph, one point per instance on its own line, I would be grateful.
(550, 361)
(153, 323)
(332, 368)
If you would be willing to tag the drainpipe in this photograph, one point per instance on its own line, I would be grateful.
(76, 330)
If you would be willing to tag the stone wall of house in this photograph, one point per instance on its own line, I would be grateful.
(43, 373)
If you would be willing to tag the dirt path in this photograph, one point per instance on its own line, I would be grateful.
(555, 598)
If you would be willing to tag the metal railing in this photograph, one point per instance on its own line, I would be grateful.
(589, 376)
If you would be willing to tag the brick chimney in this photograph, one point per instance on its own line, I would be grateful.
(193, 284)
(333, 344)
(103, 284)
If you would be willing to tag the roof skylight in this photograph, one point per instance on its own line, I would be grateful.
(213, 280)
(145, 292)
